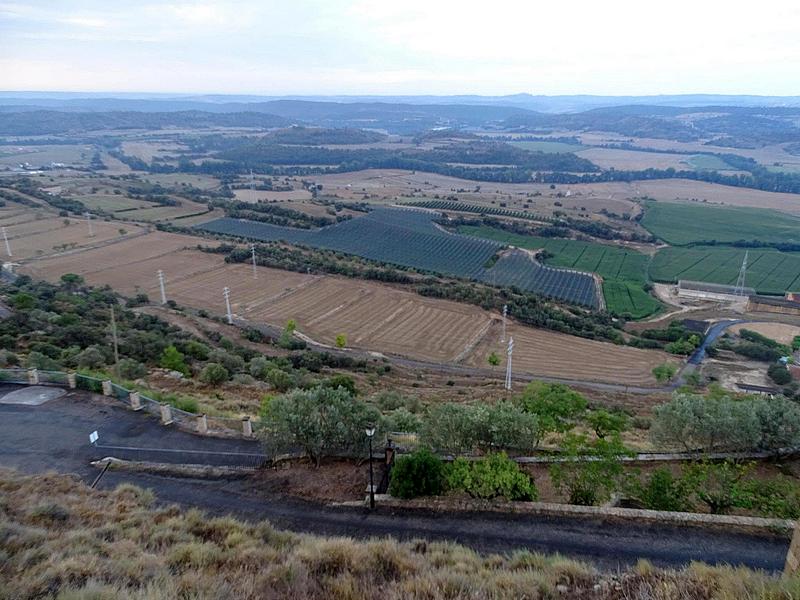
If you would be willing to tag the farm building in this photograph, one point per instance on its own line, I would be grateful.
(714, 292)
(773, 304)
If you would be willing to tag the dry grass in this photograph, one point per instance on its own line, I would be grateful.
(59, 539)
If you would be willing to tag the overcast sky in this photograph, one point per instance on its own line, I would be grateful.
(273, 47)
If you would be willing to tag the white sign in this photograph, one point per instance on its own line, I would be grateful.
(93, 437)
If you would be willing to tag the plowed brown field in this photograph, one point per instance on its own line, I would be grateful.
(373, 316)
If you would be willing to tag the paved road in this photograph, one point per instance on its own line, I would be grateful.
(54, 436)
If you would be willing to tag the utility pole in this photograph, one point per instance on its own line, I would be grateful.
(227, 293)
(505, 314)
(253, 250)
(89, 222)
(116, 341)
(8, 246)
(161, 285)
(509, 352)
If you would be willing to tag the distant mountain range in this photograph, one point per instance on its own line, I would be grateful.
(253, 103)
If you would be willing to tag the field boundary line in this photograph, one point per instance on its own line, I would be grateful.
(72, 251)
(476, 339)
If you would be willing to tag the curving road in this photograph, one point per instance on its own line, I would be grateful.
(54, 436)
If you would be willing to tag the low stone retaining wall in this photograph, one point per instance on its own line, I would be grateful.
(174, 470)
(753, 524)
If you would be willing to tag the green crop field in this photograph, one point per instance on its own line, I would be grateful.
(707, 162)
(624, 271)
(682, 224)
(768, 271)
(548, 147)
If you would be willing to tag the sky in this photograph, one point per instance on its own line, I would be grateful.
(391, 47)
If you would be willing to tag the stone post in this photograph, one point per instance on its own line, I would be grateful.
(202, 424)
(792, 566)
(72, 381)
(247, 427)
(106, 388)
(166, 414)
(33, 377)
(136, 401)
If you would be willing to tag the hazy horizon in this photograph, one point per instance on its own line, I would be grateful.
(353, 47)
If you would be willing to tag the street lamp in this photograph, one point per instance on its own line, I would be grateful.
(370, 431)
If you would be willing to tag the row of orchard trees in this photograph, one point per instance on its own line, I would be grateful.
(327, 421)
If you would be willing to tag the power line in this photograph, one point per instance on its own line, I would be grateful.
(253, 250)
(739, 289)
(509, 353)
(8, 246)
(161, 285)
(89, 223)
(227, 293)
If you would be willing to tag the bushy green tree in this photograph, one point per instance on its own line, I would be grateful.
(556, 405)
(494, 476)
(402, 420)
(606, 423)
(173, 360)
(719, 423)
(319, 421)
(661, 490)
(664, 372)
(214, 374)
(131, 369)
(779, 374)
(278, 379)
(460, 428)
(590, 471)
(694, 423)
(90, 358)
(716, 484)
(342, 381)
(232, 362)
(419, 474)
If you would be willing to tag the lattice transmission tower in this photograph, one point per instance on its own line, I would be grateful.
(739, 289)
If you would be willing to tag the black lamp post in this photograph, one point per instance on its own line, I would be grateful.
(370, 431)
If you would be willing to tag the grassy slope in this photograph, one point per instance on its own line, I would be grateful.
(681, 224)
(623, 270)
(549, 147)
(60, 539)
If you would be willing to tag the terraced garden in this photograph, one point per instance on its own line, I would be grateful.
(623, 270)
(409, 238)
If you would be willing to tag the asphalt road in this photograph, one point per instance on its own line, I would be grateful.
(54, 437)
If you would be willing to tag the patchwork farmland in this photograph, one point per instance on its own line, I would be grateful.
(373, 316)
(768, 271)
(409, 238)
(624, 271)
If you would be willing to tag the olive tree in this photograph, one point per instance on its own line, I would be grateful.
(692, 422)
(320, 421)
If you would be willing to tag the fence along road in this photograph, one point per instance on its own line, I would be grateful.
(54, 437)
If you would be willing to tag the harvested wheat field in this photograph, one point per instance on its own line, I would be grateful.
(373, 316)
(45, 237)
(550, 354)
(781, 333)
(118, 261)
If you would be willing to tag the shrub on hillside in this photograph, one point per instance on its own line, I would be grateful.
(661, 491)
(779, 374)
(495, 476)
(131, 369)
(214, 374)
(418, 474)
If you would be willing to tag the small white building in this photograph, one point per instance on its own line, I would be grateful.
(712, 292)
